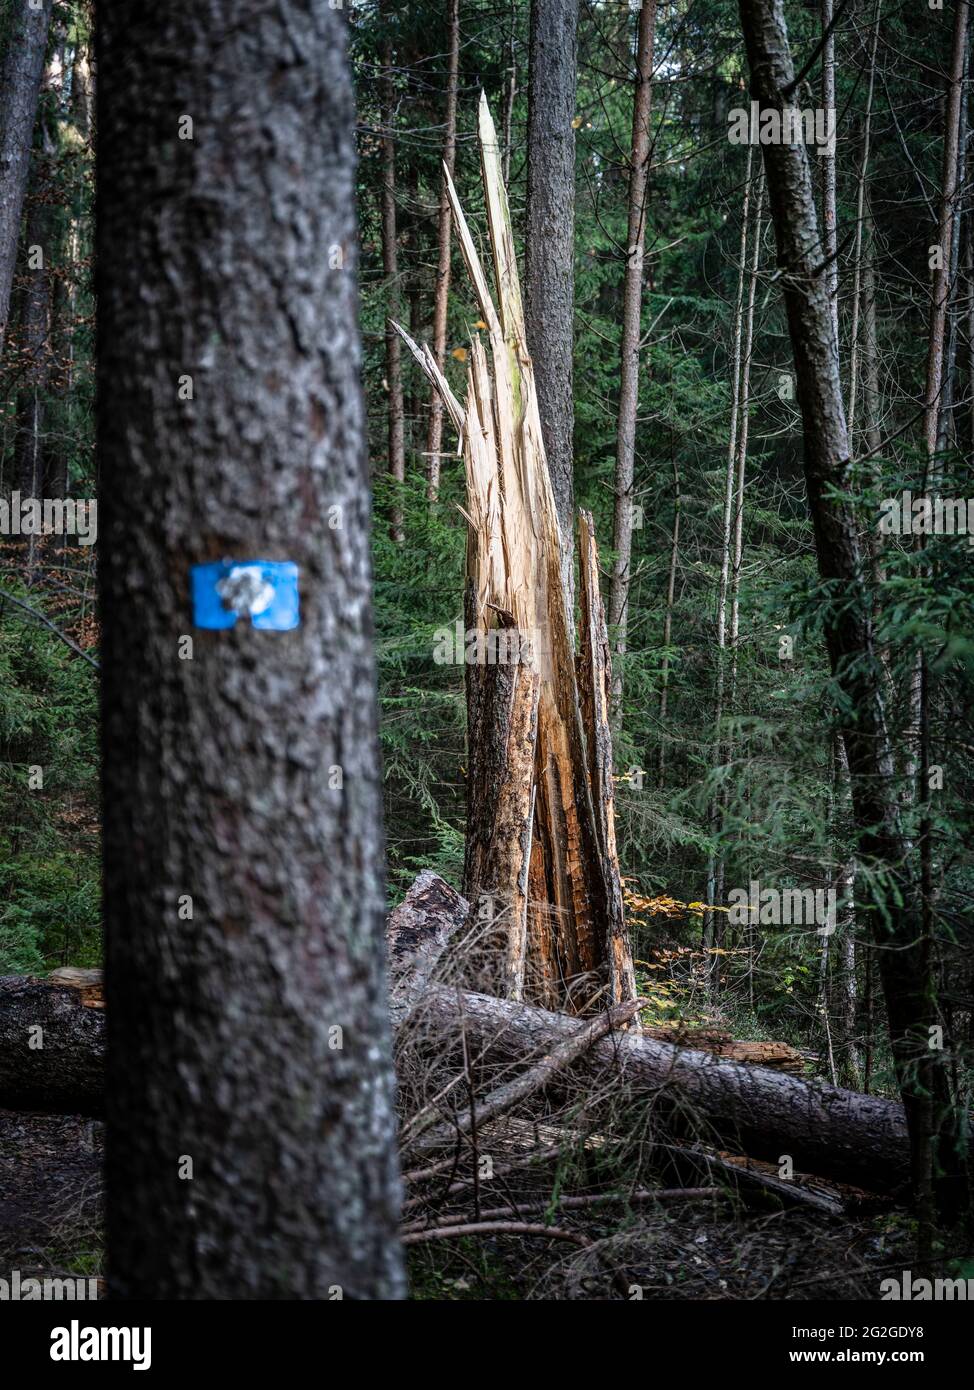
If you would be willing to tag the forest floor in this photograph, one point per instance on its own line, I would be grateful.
(51, 1223)
(50, 1194)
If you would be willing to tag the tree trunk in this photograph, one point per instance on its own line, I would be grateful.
(20, 85)
(941, 282)
(731, 533)
(52, 1048)
(632, 296)
(859, 292)
(549, 253)
(246, 996)
(946, 433)
(434, 440)
(904, 955)
(35, 329)
(396, 432)
(510, 92)
(540, 861)
(668, 618)
(827, 162)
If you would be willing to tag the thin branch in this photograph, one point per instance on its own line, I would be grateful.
(43, 618)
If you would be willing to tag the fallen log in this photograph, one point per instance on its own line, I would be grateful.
(52, 1046)
(718, 1041)
(825, 1130)
(764, 1113)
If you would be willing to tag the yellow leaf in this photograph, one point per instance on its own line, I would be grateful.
(480, 324)
(460, 354)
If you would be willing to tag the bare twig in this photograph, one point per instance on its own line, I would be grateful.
(43, 618)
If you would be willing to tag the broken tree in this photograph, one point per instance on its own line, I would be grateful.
(541, 866)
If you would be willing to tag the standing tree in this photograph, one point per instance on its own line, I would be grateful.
(250, 1112)
(903, 945)
(550, 244)
(434, 440)
(20, 85)
(632, 300)
(390, 265)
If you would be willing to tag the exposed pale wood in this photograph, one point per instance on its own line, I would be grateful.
(595, 685)
(88, 983)
(557, 878)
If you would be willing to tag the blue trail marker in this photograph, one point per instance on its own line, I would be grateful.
(265, 591)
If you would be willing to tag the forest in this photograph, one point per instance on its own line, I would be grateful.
(487, 649)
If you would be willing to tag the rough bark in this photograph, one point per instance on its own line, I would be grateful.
(20, 85)
(549, 251)
(61, 1067)
(904, 955)
(632, 298)
(219, 257)
(434, 441)
(417, 933)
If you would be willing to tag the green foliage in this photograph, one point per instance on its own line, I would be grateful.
(49, 868)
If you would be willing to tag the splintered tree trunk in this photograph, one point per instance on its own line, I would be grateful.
(903, 949)
(632, 299)
(251, 1149)
(549, 253)
(541, 867)
(434, 440)
(20, 85)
